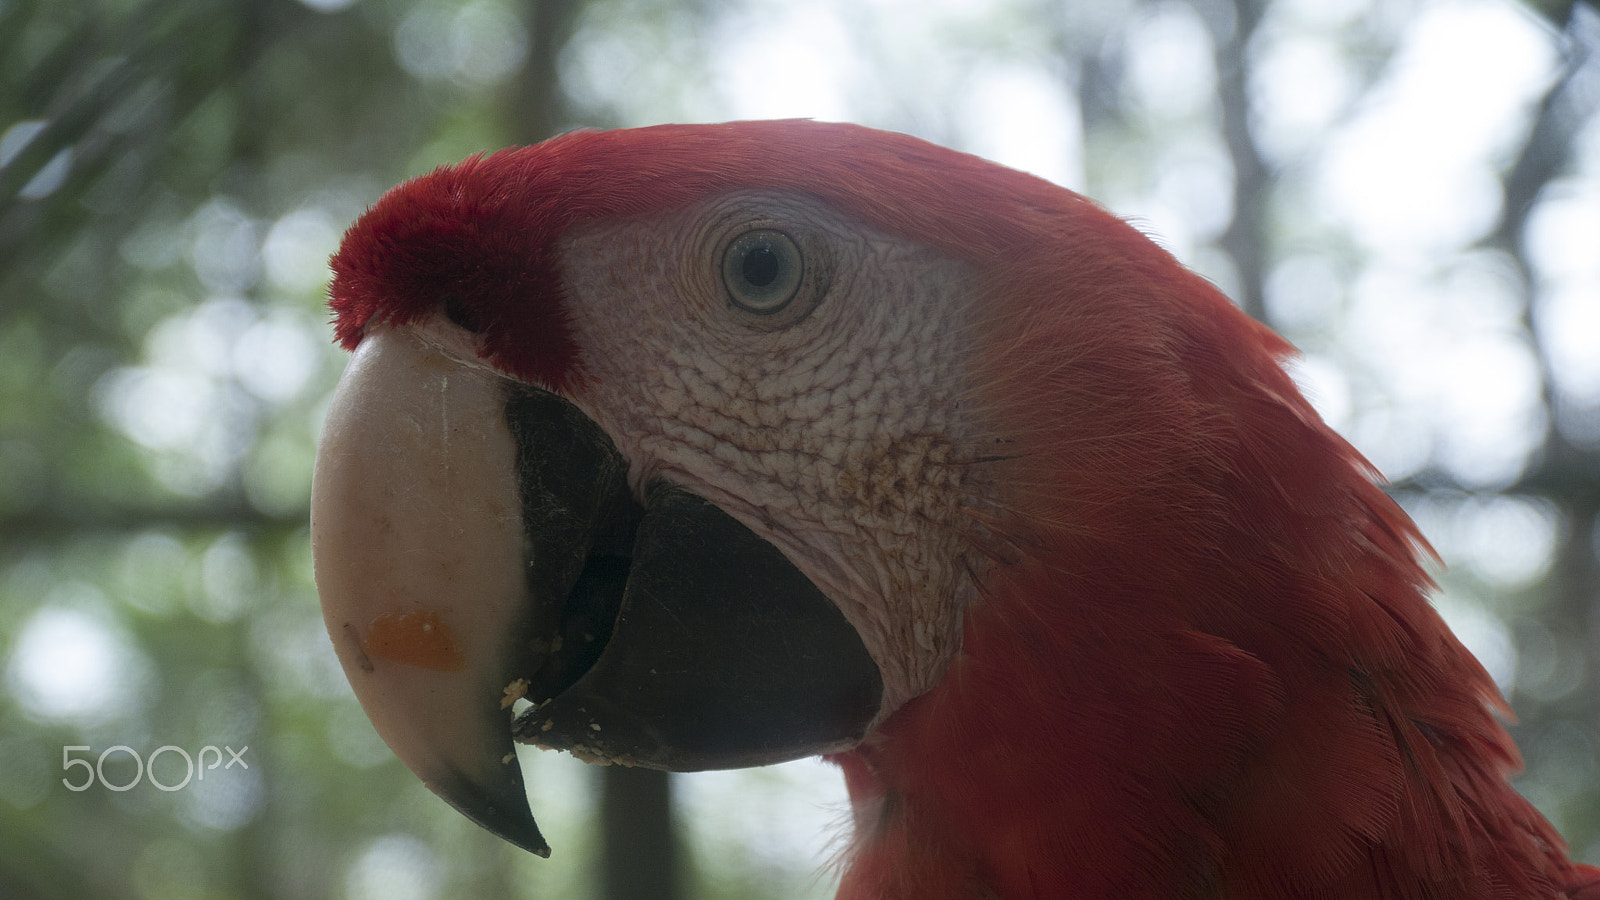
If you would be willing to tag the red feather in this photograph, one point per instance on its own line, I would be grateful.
(1203, 665)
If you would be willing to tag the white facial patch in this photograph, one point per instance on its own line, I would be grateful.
(834, 429)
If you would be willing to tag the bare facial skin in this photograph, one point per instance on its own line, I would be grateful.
(833, 428)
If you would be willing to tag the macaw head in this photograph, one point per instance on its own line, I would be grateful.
(672, 433)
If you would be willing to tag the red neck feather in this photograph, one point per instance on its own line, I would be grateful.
(1204, 664)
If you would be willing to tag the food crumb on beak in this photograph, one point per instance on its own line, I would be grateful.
(515, 691)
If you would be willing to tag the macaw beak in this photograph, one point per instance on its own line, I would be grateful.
(413, 509)
(475, 542)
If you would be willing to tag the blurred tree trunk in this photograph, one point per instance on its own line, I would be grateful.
(638, 855)
(537, 106)
(1245, 239)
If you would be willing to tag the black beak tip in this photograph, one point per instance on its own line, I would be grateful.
(501, 809)
(524, 834)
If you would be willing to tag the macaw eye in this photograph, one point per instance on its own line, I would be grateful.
(762, 270)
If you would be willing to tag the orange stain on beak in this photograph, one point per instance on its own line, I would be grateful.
(415, 639)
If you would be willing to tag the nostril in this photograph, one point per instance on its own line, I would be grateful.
(457, 311)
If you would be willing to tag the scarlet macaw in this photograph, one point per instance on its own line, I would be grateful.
(730, 444)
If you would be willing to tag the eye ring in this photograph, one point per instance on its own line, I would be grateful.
(762, 271)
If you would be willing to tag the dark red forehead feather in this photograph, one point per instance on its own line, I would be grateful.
(480, 231)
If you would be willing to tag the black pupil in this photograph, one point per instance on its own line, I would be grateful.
(760, 266)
